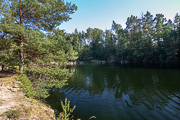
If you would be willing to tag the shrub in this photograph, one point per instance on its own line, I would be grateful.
(26, 86)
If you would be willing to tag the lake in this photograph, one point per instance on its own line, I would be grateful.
(121, 93)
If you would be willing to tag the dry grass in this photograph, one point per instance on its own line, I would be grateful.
(15, 103)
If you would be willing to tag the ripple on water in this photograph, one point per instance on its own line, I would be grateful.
(113, 93)
(169, 104)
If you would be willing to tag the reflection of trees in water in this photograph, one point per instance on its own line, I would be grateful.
(135, 86)
(148, 87)
(55, 96)
(88, 78)
(54, 99)
(153, 88)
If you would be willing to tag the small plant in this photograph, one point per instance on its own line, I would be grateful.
(12, 114)
(66, 114)
(26, 86)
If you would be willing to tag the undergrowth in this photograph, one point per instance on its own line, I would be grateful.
(26, 86)
(12, 114)
(66, 114)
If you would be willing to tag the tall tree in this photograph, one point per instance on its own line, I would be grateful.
(21, 16)
(177, 34)
(159, 21)
(97, 44)
(169, 42)
(23, 23)
(147, 35)
(132, 26)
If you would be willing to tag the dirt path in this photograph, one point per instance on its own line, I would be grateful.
(15, 105)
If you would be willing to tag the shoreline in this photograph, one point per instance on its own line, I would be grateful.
(14, 105)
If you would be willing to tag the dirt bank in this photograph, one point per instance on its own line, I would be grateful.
(14, 105)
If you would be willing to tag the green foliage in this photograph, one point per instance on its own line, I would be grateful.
(24, 44)
(67, 111)
(26, 86)
(44, 79)
(12, 114)
(66, 114)
(145, 39)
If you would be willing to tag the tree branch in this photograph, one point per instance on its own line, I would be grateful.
(34, 51)
(3, 35)
(8, 16)
(4, 46)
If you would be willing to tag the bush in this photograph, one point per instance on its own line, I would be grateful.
(26, 86)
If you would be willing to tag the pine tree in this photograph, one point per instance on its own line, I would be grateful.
(121, 41)
(132, 26)
(110, 41)
(22, 26)
(147, 34)
(169, 44)
(159, 21)
(177, 34)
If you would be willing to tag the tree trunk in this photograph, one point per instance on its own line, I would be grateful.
(21, 69)
(21, 58)
(2, 68)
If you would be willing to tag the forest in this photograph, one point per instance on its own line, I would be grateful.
(146, 39)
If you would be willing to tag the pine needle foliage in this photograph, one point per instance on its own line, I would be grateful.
(26, 86)
(24, 25)
(67, 111)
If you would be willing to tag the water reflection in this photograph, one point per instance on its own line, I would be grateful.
(112, 92)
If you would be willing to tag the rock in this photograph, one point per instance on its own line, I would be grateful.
(103, 62)
(15, 86)
(52, 117)
(81, 62)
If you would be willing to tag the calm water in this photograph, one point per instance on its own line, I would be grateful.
(117, 93)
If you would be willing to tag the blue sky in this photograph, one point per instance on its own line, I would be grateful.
(101, 13)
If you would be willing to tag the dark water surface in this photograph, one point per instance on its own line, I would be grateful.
(118, 93)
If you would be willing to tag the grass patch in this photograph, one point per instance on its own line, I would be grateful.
(12, 114)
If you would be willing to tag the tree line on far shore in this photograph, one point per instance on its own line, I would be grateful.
(146, 39)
